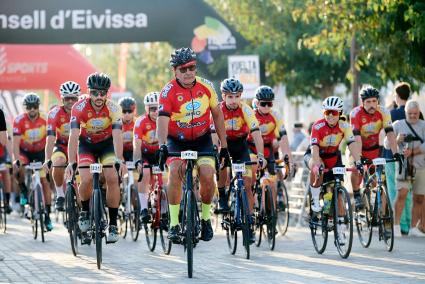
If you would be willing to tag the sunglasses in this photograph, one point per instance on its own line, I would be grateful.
(266, 104)
(153, 109)
(331, 112)
(29, 107)
(127, 111)
(97, 93)
(190, 68)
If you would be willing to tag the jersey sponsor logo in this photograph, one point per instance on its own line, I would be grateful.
(180, 98)
(81, 105)
(193, 106)
(49, 127)
(247, 110)
(113, 107)
(161, 107)
(18, 118)
(164, 92)
(207, 82)
(127, 136)
(319, 125)
(190, 125)
(313, 140)
(54, 112)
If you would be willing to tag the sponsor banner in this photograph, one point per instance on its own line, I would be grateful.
(245, 68)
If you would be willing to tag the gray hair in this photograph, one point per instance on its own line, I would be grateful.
(411, 104)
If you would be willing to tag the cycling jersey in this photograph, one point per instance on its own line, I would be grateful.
(95, 126)
(368, 127)
(58, 125)
(328, 139)
(127, 135)
(32, 132)
(239, 122)
(188, 109)
(145, 130)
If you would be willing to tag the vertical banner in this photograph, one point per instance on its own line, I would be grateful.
(245, 68)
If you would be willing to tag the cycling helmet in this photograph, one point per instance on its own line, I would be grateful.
(264, 93)
(98, 81)
(70, 89)
(151, 99)
(333, 103)
(182, 56)
(127, 103)
(231, 85)
(254, 103)
(31, 99)
(368, 92)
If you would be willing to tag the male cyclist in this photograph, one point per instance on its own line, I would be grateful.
(58, 127)
(367, 121)
(128, 106)
(145, 148)
(239, 120)
(96, 133)
(185, 106)
(29, 141)
(326, 136)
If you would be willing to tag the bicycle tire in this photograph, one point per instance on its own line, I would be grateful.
(150, 230)
(71, 218)
(3, 217)
(229, 226)
(343, 249)
(98, 230)
(245, 223)
(163, 228)
(190, 231)
(134, 214)
(259, 217)
(283, 211)
(318, 223)
(363, 219)
(41, 211)
(387, 221)
(271, 219)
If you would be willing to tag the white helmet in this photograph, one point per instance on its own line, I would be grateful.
(70, 89)
(333, 103)
(151, 99)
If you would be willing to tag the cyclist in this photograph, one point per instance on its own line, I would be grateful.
(272, 130)
(29, 141)
(96, 133)
(239, 120)
(4, 158)
(367, 121)
(128, 106)
(145, 147)
(185, 105)
(326, 136)
(58, 127)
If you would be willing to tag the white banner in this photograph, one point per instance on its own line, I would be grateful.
(245, 68)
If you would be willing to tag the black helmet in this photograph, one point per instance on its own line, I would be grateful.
(264, 93)
(127, 103)
(182, 56)
(231, 85)
(368, 92)
(98, 81)
(31, 99)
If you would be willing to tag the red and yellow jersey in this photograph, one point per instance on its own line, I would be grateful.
(328, 139)
(145, 130)
(95, 126)
(58, 124)
(32, 132)
(368, 125)
(271, 128)
(189, 109)
(239, 122)
(127, 135)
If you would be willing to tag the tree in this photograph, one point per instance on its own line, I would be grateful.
(277, 37)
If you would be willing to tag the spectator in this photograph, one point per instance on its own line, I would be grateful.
(410, 139)
(298, 137)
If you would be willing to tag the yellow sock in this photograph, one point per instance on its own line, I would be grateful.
(206, 211)
(174, 214)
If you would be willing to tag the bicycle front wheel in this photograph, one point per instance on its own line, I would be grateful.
(343, 222)
(386, 220)
(271, 218)
(165, 217)
(282, 210)
(150, 230)
(2, 210)
(98, 225)
(71, 216)
(245, 223)
(318, 223)
(41, 211)
(190, 230)
(134, 214)
(363, 219)
(229, 225)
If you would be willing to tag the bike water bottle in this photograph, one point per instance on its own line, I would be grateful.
(327, 198)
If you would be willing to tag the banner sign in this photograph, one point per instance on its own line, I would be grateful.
(245, 68)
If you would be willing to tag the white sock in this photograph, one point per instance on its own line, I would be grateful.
(315, 193)
(59, 191)
(143, 198)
